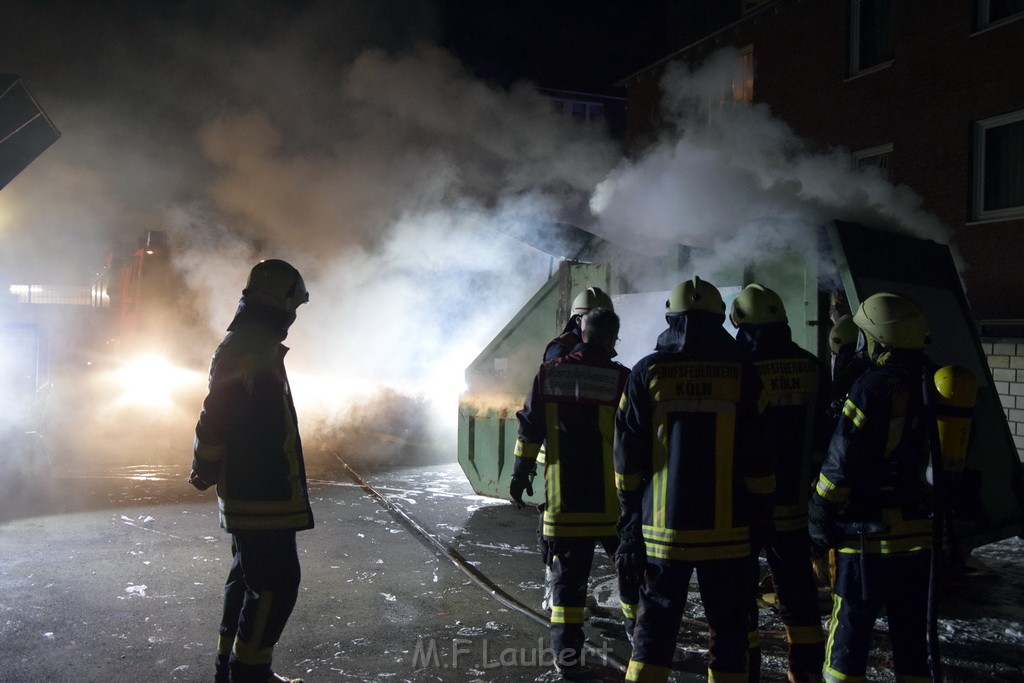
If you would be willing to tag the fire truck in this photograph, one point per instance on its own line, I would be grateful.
(100, 370)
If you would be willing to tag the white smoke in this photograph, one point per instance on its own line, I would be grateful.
(336, 136)
(731, 178)
(395, 223)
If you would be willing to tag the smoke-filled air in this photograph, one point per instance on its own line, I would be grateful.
(342, 138)
(733, 179)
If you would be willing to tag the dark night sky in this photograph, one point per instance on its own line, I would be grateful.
(144, 92)
(571, 44)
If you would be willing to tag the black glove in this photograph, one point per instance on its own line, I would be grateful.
(822, 526)
(523, 471)
(631, 561)
(631, 556)
(519, 484)
(198, 482)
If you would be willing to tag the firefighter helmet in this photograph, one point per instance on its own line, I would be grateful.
(893, 321)
(276, 283)
(694, 295)
(843, 333)
(757, 305)
(590, 298)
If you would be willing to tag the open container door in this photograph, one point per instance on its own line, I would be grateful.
(990, 504)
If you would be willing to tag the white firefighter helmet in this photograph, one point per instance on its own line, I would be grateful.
(694, 295)
(757, 305)
(843, 333)
(590, 298)
(276, 283)
(893, 321)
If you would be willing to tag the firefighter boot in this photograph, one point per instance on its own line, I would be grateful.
(241, 673)
(805, 678)
(221, 674)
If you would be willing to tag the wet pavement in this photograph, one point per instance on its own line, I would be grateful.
(115, 573)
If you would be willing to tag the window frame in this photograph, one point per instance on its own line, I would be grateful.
(876, 152)
(744, 92)
(854, 66)
(981, 128)
(983, 13)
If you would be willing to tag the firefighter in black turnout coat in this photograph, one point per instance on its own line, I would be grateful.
(794, 431)
(570, 410)
(694, 489)
(872, 500)
(572, 335)
(247, 443)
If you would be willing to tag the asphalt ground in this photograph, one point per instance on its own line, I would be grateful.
(115, 573)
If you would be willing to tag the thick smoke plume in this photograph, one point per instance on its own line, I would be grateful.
(338, 136)
(731, 178)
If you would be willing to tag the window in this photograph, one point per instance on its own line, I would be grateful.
(999, 167)
(579, 111)
(989, 12)
(875, 157)
(743, 84)
(870, 34)
(76, 295)
(736, 88)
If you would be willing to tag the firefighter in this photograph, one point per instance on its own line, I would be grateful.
(562, 345)
(566, 342)
(694, 490)
(848, 363)
(794, 432)
(872, 501)
(247, 443)
(570, 410)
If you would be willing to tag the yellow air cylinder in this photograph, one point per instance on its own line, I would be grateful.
(956, 390)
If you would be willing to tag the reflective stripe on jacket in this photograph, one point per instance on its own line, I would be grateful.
(874, 471)
(571, 410)
(685, 451)
(794, 421)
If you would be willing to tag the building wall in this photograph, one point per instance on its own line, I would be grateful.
(1006, 361)
(943, 78)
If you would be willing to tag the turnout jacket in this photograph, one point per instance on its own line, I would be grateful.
(874, 472)
(565, 343)
(794, 422)
(571, 411)
(686, 461)
(247, 438)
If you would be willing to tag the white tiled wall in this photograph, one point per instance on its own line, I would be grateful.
(1006, 360)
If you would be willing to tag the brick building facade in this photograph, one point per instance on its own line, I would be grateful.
(931, 89)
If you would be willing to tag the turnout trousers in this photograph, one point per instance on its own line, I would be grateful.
(898, 582)
(259, 594)
(726, 589)
(789, 559)
(571, 563)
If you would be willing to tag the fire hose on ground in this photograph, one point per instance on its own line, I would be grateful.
(456, 558)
